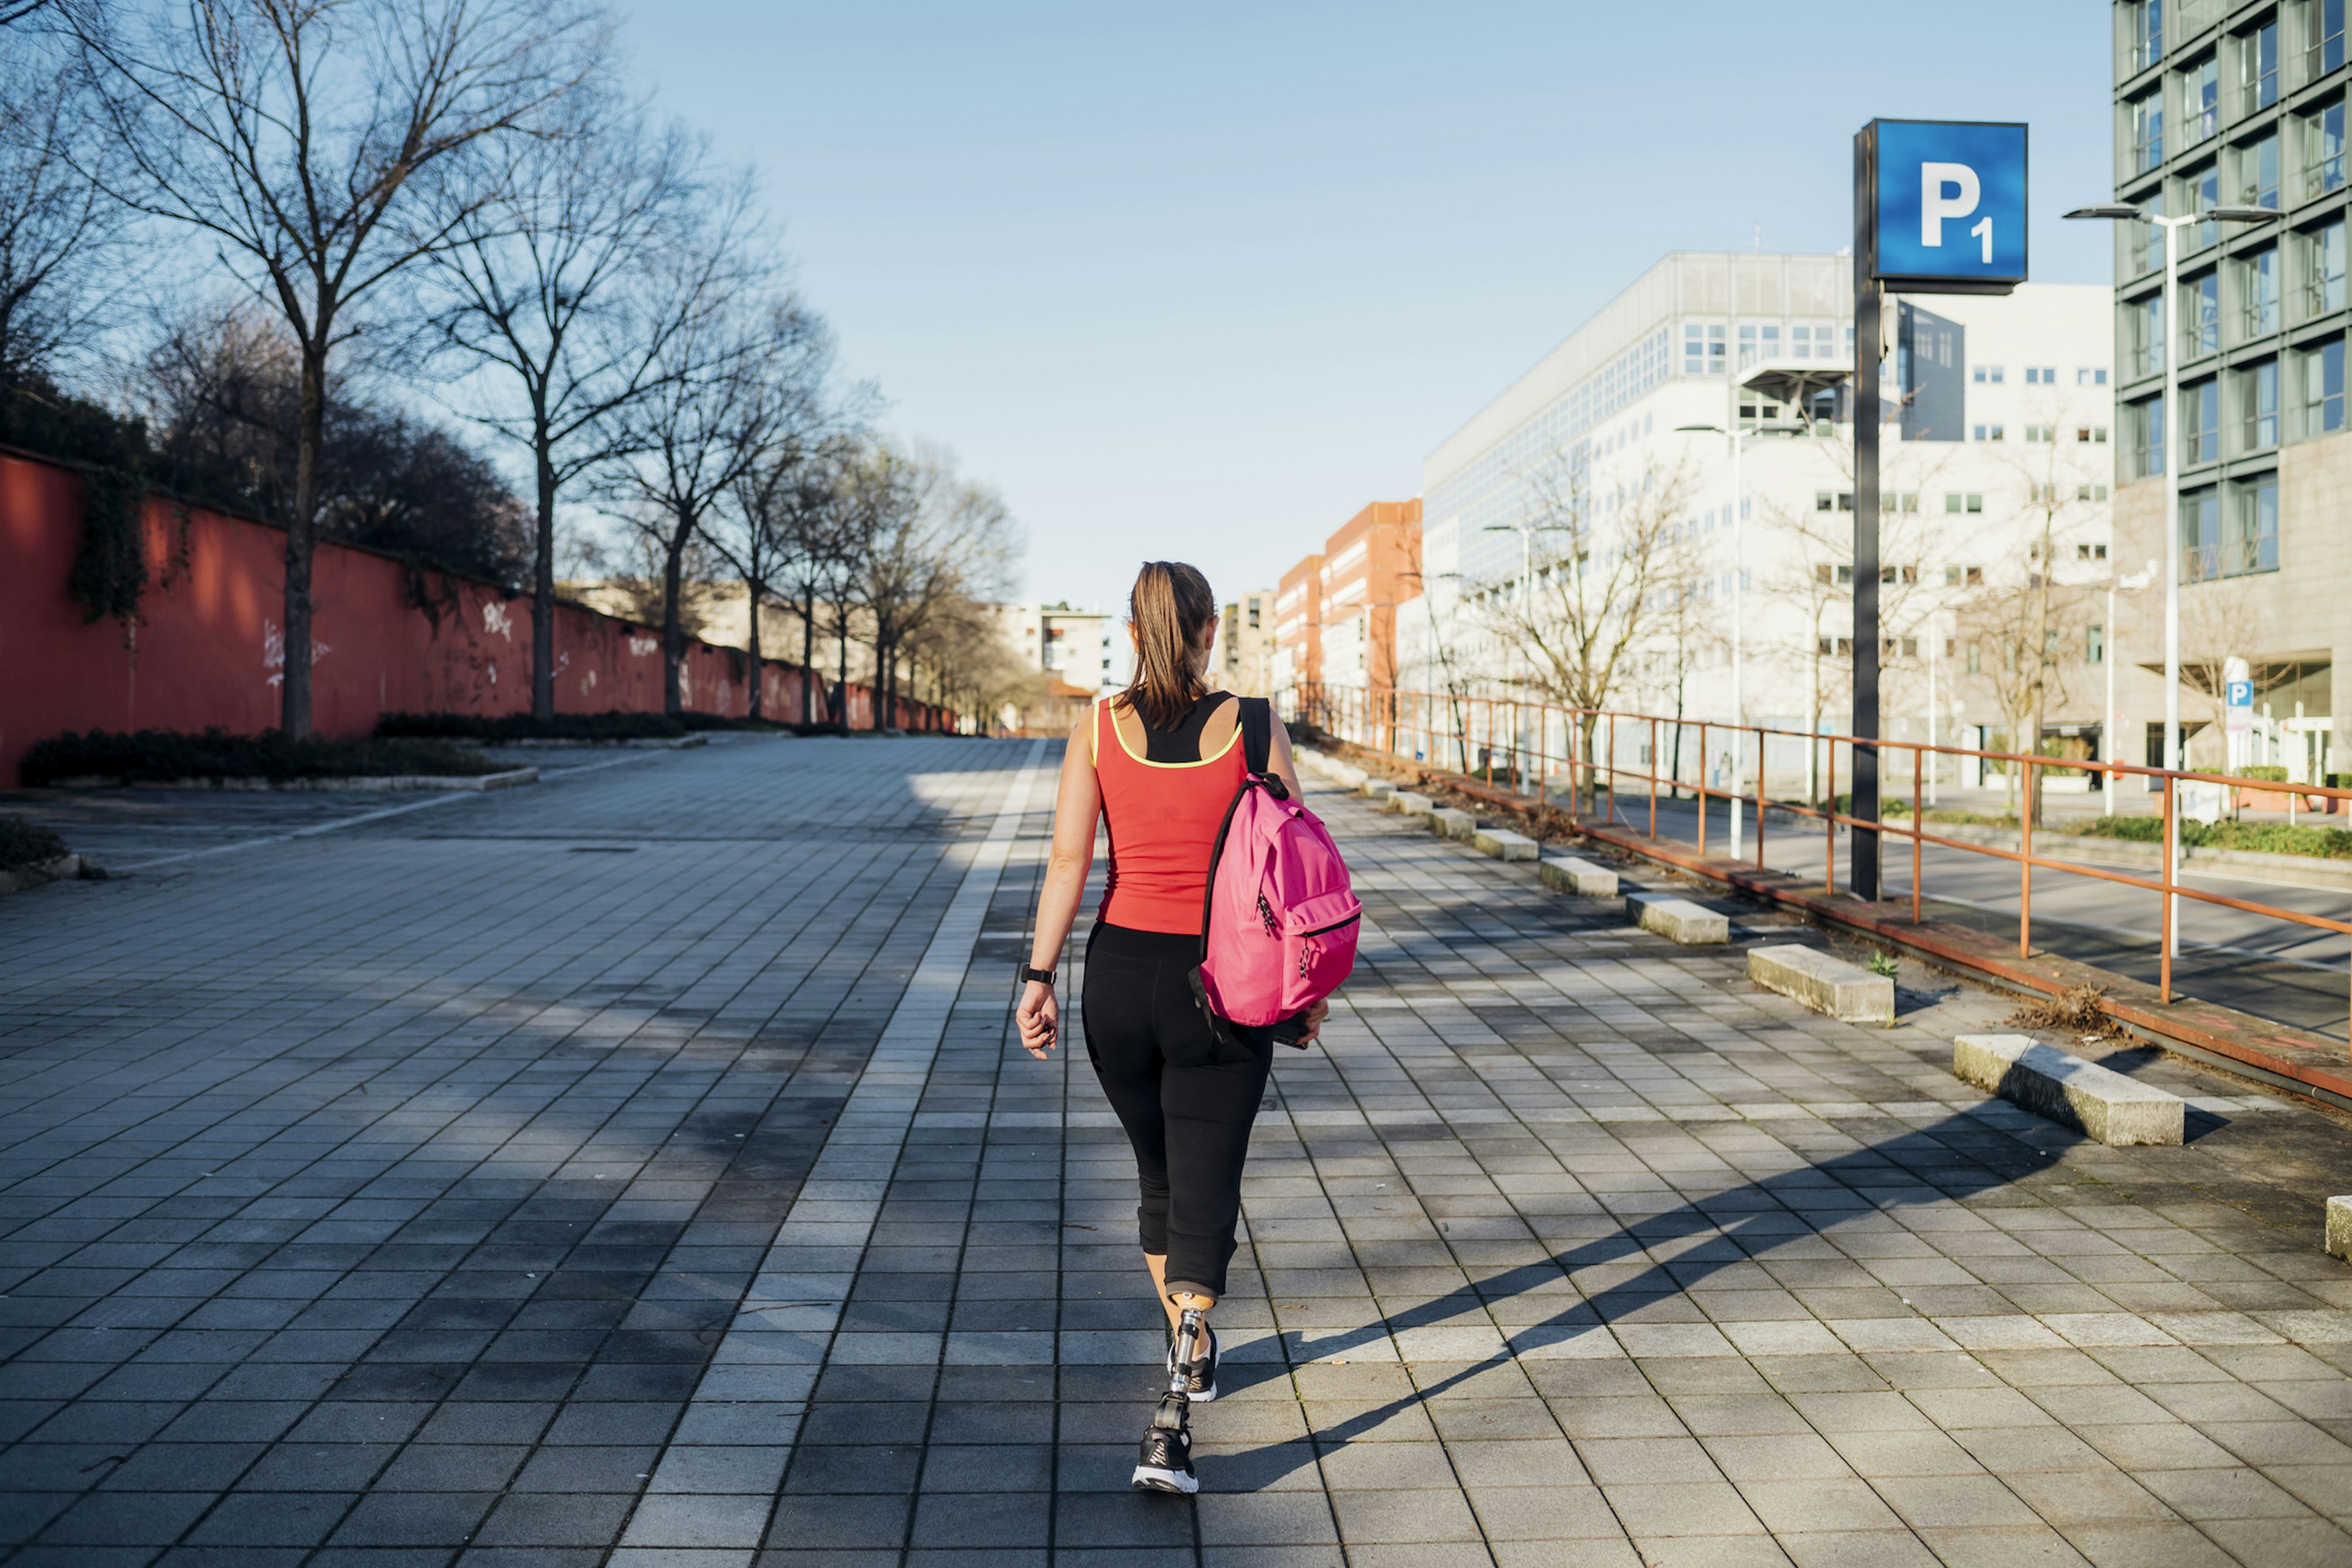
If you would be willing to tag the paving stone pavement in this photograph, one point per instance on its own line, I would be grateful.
(637, 1170)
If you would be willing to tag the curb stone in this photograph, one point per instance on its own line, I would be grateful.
(2107, 1105)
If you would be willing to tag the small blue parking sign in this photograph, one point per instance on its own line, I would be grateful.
(1948, 200)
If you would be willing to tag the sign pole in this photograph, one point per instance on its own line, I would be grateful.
(1864, 850)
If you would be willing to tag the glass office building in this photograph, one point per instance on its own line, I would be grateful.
(2241, 105)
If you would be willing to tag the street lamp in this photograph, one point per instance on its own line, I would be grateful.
(1738, 438)
(2173, 450)
(2131, 584)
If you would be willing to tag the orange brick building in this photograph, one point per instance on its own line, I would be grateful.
(1299, 627)
(1335, 613)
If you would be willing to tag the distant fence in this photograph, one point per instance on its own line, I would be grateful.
(208, 647)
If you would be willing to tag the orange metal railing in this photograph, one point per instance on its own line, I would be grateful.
(1478, 737)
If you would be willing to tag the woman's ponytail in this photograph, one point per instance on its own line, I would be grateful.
(1172, 610)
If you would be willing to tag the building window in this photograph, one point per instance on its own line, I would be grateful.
(2036, 375)
(2094, 645)
(2044, 434)
(2146, 113)
(2323, 268)
(1987, 375)
(1955, 501)
(2201, 422)
(1975, 660)
(2143, 23)
(2323, 388)
(2258, 83)
(2146, 426)
(1990, 432)
(2200, 315)
(2324, 42)
(2323, 151)
(2200, 535)
(2258, 398)
(2258, 172)
(1759, 342)
(2143, 241)
(2091, 492)
(2090, 552)
(1703, 348)
(2089, 378)
(2145, 320)
(2090, 434)
(2201, 100)
(2253, 542)
(2258, 286)
(2200, 189)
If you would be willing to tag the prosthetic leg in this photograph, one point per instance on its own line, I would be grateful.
(1165, 1462)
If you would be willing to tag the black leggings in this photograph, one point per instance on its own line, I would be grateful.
(1186, 1100)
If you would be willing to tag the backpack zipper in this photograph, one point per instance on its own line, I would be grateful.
(1335, 925)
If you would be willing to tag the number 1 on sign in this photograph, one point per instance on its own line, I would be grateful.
(1984, 231)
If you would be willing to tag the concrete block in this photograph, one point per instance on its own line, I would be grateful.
(2339, 1227)
(1451, 824)
(1679, 919)
(1571, 875)
(1380, 789)
(1824, 983)
(1411, 804)
(2111, 1107)
(1347, 775)
(1505, 845)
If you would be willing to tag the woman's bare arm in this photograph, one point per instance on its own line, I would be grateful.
(1078, 801)
(1285, 765)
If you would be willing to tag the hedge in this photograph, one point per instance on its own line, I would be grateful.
(160, 756)
(26, 844)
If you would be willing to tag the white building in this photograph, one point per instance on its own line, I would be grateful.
(1076, 644)
(1997, 424)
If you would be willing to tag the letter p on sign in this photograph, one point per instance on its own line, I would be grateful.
(1946, 205)
(1946, 190)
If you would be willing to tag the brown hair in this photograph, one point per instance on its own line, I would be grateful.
(1170, 608)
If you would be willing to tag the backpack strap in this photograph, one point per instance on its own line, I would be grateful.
(1257, 733)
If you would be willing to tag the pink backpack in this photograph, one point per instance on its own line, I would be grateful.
(1278, 932)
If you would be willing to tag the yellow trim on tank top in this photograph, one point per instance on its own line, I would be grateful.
(1097, 747)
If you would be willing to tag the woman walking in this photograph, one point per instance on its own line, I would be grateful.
(1161, 764)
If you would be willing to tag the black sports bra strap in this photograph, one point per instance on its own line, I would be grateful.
(1257, 734)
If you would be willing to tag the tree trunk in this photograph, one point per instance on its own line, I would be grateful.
(754, 705)
(880, 682)
(302, 542)
(841, 691)
(808, 658)
(672, 629)
(543, 587)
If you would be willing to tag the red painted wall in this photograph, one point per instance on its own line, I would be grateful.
(209, 645)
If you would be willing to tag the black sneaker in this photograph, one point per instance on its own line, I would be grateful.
(1201, 1384)
(1165, 1461)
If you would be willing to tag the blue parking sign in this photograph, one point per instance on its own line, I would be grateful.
(1948, 201)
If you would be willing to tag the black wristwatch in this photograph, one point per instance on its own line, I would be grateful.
(1041, 976)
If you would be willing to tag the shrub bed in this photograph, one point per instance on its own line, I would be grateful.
(161, 755)
(608, 726)
(25, 845)
(2262, 837)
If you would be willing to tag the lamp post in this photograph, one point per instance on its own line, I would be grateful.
(2131, 584)
(2172, 455)
(1738, 439)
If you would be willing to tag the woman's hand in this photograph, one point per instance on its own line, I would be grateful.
(1040, 1018)
(1313, 1024)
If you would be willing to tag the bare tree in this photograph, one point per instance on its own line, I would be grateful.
(1607, 561)
(960, 657)
(779, 532)
(735, 372)
(931, 537)
(323, 146)
(61, 234)
(539, 287)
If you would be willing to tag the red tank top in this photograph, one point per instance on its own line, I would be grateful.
(1163, 818)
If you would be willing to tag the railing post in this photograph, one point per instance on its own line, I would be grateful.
(1829, 819)
(1760, 797)
(1653, 781)
(1918, 827)
(2025, 870)
(1702, 789)
(2163, 979)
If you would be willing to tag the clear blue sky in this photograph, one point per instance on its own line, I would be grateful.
(1202, 280)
